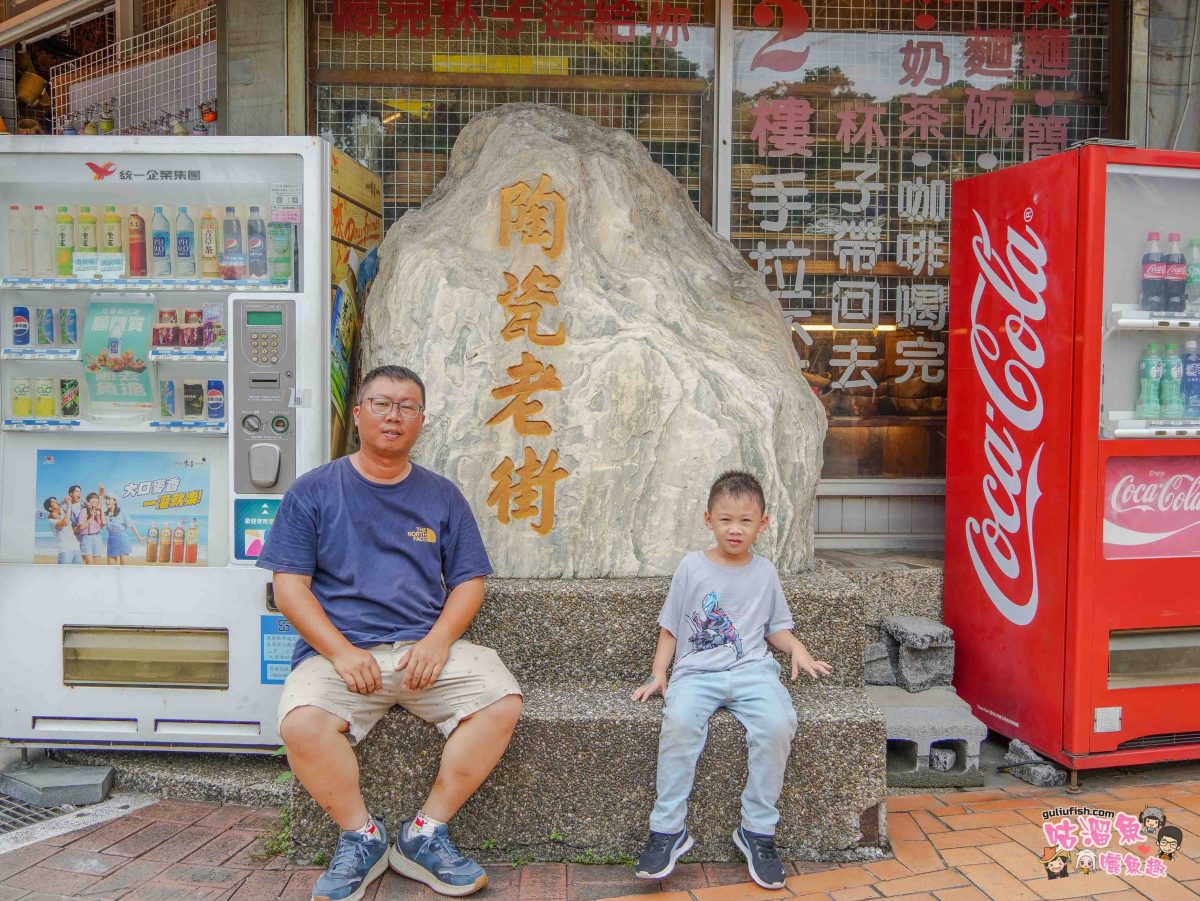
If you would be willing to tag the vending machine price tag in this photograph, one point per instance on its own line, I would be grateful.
(41, 425)
(41, 353)
(107, 266)
(285, 203)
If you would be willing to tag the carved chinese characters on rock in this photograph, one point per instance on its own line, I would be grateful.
(535, 216)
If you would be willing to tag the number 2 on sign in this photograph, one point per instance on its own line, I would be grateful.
(794, 25)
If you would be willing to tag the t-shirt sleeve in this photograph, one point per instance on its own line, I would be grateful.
(781, 616)
(291, 545)
(672, 610)
(463, 555)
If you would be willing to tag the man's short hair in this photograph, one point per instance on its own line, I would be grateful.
(396, 374)
(737, 484)
(47, 502)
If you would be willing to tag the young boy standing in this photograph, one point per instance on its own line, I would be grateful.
(728, 606)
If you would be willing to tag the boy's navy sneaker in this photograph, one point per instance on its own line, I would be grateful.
(357, 862)
(661, 851)
(761, 856)
(434, 860)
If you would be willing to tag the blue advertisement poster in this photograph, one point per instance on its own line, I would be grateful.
(252, 520)
(278, 640)
(116, 345)
(121, 508)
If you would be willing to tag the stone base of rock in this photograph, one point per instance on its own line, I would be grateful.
(923, 731)
(577, 781)
(49, 783)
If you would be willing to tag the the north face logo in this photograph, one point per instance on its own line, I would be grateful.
(423, 535)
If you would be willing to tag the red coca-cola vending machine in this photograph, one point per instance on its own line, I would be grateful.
(1073, 465)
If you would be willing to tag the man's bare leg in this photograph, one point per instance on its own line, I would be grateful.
(324, 762)
(471, 753)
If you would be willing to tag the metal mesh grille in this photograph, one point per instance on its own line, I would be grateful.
(143, 85)
(16, 814)
(841, 170)
(406, 134)
(650, 79)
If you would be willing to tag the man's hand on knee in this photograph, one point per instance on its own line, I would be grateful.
(423, 662)
(358, 669)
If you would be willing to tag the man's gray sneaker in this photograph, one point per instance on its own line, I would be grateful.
(662, 850)
(434, 860)
(761, 856)
(357, 862)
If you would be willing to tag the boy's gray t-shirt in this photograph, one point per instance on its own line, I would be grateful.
(721, 615)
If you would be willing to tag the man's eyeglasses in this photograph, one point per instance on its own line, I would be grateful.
(382, 406)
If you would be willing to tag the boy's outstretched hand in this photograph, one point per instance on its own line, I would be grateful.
(802, 660)
(647, 690)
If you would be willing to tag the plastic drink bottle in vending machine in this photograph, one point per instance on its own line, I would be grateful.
(1153, 271)
(110, 231)
(20, 326)
(21, 403)
(279, 252)
(18, 243)
(43, 243)
(177, 540)
(233, 260)
(1191, 379)
(1170, 391)
(85, 231)
(185, 243)
(160, 243)
(1150, 373)
(137, 244)
(256, 244)
(1193, 276)
(1175, 279)
(193, 543)
(64, 242)
(152, 543)
(209, 245)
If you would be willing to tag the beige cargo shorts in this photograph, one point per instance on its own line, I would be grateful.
(473, 678)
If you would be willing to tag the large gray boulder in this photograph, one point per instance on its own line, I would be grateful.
(676, 362)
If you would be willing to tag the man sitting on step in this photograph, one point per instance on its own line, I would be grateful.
(379, 566)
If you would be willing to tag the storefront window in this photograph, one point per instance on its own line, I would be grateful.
(396, 82)
(850, 124)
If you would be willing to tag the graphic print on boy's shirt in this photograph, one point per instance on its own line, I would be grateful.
(714, 629)
(721, 615)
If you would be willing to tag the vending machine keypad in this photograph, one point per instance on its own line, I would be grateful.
(264, 382)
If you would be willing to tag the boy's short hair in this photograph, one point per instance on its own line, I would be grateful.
(48, 501)
(396, 374)
(737, 484)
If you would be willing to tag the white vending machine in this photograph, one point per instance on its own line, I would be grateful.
(168, 369)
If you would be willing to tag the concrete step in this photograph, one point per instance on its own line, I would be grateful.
(603, 631)
(578, 780)
(932, 737)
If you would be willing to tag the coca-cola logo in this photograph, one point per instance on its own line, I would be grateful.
(1154, 270)
(1175, 271)
(1001, 543)
(1173, 494)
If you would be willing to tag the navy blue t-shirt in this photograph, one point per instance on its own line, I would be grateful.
(382, 557)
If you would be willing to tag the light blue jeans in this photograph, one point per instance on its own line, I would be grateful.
(753, 694)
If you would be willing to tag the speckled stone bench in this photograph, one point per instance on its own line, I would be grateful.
(578, 778)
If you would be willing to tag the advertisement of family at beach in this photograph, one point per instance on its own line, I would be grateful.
(121, 508)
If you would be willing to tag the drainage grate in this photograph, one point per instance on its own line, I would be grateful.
(15, 814)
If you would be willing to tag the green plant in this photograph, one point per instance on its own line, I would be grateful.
(556, 836)
(521, 859)
(320, 859)
(278, 840)
(488, 844)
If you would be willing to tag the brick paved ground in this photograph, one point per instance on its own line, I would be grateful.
(961, 846)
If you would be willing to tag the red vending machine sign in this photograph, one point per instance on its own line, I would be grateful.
(1151, 507)
(1012, 290)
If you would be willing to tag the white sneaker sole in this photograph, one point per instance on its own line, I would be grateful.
(675, 855)
(411, 870)
(374, 873)
(737, 840)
